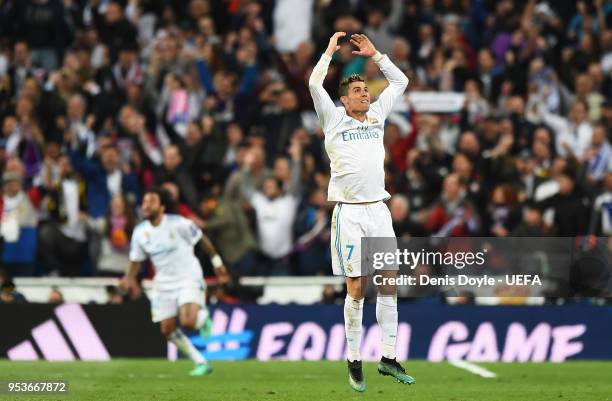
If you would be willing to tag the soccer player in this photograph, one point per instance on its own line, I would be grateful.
(178, 286)
(354, 144)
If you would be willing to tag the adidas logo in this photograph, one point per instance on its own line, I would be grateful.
(82, 339)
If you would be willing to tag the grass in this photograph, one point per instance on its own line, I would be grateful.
(153, 379)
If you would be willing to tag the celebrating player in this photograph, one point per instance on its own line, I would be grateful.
(354, 144)
(178, 286)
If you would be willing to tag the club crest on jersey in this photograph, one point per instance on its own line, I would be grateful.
(373, 120)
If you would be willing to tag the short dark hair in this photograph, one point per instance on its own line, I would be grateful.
(164, 197)
(344, 84)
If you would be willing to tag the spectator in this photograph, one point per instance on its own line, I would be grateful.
(25, 138)
(598, 157)
(593, 99)
(116, 31)
(568, 207)
(114, 231)
(114, 295)
(18, 229)
(601, 218)
(313, 231)
(225, 222)
(379, 27)
(8, 294)
(180, 206)
(55, 296)
(292, 23)
(173, 170)
(275, 211)
(63, 237)
(105, 178)
(43, 26)
(488, 73)
(403, 225)
(504, 214)
(253, 174)
(476, 106)
(21, 68)
(532, 224)
(526, 181)
(453, 214)
(572, 135)
(280, 117)
(330, 295)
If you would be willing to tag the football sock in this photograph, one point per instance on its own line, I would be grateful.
(353, 314)
(386, 315)
(185, 346)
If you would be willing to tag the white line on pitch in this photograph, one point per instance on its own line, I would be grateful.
(475, 369)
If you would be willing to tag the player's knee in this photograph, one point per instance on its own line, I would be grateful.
(387, 290)
(355, 289)
(167, 327)
(189, 324)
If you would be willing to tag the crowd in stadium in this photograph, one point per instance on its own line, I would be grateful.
(103, 99)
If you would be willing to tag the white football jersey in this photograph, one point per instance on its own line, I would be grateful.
(355, 148)
(275, 223)
(169, 246)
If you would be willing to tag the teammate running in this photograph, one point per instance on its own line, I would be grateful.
(354, 144)
(178, 286)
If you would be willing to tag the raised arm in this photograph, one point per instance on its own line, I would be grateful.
(324, 105)
(556, 122)
(398, 81)
(295, 186)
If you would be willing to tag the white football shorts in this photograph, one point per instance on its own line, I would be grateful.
(351, 222)
(165, 302)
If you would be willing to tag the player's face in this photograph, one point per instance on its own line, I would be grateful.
(151, 206)
(358, 97)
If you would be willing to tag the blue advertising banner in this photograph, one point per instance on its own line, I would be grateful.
(313, 332)
(433, 332)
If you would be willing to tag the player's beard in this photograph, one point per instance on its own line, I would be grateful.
(153, 216)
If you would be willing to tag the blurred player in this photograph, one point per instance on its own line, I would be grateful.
(354, 144)
(178, 286)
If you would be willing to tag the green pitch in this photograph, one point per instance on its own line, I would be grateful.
(313, 381)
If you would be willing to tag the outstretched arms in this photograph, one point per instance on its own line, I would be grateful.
(324, 105)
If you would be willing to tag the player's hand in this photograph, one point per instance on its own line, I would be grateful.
(129, 286)
(126, 282)
(333, 46)
(222, 274)
(361, 42)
